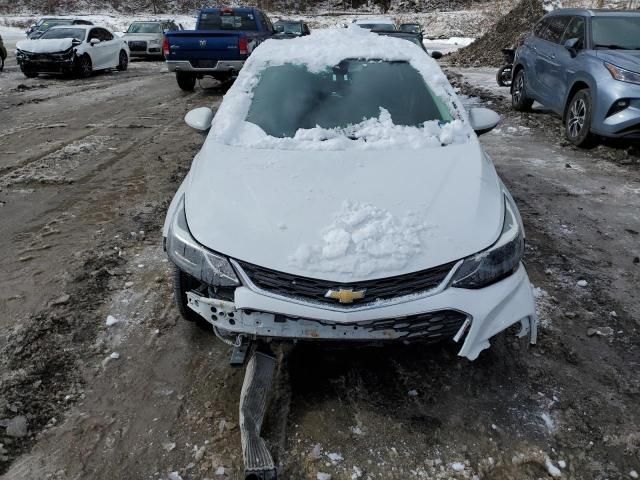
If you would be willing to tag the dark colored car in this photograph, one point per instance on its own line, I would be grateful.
(3, 54)
(585, 66)
(218, 47)
(290, 29)
(411, 28)
(37, 30)
(410, 37)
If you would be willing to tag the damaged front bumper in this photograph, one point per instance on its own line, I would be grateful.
(471, 316)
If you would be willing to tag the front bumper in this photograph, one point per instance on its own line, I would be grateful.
(626, 122)
(481, 314)
(216, 66)
(47, 65)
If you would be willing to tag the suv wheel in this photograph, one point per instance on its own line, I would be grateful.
(186, 81)
(577, 121)
(519, 99)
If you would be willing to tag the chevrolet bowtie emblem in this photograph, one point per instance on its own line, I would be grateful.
(345, 295)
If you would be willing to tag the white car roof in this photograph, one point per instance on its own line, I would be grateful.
(80, 26)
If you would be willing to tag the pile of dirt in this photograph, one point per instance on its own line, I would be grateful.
(486, 50)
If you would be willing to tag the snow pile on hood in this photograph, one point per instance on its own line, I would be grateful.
(45, 45)
(372, 133)
(362, 239)
(317, 52)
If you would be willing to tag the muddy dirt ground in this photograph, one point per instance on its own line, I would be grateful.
(87, 169)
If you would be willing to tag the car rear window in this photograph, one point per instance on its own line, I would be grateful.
(290, 97)
(228, 21)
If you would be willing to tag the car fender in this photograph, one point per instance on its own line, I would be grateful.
(577, 82)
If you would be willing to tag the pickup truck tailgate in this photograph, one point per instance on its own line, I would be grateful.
(204, 49)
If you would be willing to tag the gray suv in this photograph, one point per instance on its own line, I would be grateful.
(585, 66)
(145, 38)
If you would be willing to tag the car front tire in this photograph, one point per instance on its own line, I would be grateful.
(123, 61)
(577, 120)
(83, 66)
(186, 81)
(519, 99)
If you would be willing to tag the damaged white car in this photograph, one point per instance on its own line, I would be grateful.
(342, 194)
(72, 50)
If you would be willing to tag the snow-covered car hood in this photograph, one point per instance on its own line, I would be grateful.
(344, 216)
(46, 45)
(629, 59)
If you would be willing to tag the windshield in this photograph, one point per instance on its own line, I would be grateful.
(288, 27)
(385, 27)
(290, 97)
(47, 24)
(409, 27)
(77, 33)
(145, 27)
(228, 21)
(616, 32)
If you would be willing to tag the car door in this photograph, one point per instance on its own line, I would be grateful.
(568, 60)
(99, 52)
(528, 52)
(548, 66)
(111, 47)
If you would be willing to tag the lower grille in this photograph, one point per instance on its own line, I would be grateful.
(439, 325)
(375, 290)
(138, 46)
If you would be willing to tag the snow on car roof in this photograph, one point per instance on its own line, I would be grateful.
(79, 26)
(323, 49)
(367, 21)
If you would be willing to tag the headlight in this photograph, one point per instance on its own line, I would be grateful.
(622, 74)
(496, 262)
(154, 42)
(194, 259)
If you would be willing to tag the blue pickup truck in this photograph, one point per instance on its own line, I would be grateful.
(218, 47)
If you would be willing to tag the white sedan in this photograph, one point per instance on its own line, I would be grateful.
(342, 194)
(72, 49)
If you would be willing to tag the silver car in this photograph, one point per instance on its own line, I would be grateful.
(585, 66)
(145, 38)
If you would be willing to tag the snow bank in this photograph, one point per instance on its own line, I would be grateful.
(362, 239)
(461, 41)
(51, 45)
(319, 51)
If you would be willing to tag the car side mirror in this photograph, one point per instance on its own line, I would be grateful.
(483, 120)
(199, 118)
(573, 45)
(436, 55)
(94, 41)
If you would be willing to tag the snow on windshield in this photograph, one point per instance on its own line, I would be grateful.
(325, 49)
(362, 239)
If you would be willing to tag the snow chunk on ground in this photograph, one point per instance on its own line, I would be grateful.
(457, 466)
(323, 476)
(362, 239)
(552, 469)
(111, 320)
(335, 457)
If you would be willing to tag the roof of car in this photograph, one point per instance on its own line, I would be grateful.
(591, 12)
(369, 21)
(238, 9)
(83, 27)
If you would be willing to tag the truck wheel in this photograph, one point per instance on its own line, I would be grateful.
(186, 81)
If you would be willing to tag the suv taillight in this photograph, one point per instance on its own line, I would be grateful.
(243, 46)
(165, 47)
